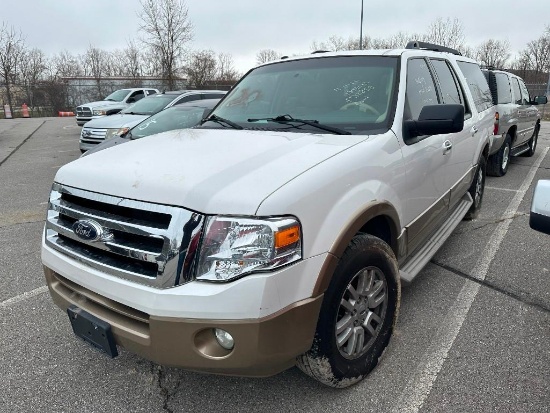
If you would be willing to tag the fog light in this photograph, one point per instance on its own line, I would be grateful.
(224, 339)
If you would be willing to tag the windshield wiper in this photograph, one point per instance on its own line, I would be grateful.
(134, 113)
(314, 123)
(220, 120)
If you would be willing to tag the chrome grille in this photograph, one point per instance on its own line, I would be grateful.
(147, 243)
(92, 135)
(83, 111)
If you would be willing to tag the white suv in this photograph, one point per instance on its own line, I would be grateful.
(279, 232)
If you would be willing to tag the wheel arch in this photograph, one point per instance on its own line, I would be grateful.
(379, 219)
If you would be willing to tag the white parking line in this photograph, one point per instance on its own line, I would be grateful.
(501, 189)
(420, 384)
(22, 297)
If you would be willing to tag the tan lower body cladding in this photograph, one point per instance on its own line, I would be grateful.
(263, 347)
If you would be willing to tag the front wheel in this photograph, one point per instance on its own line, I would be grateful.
(477, 189)
(358, 314)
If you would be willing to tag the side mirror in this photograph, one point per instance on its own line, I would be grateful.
(540, 100)
(436, 119)
(130, 100)
(539, 218)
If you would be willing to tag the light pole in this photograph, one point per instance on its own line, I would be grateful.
(361, 29)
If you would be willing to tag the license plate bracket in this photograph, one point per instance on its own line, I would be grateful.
(92, 330)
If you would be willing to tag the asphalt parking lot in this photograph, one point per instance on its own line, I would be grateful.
(473, 333)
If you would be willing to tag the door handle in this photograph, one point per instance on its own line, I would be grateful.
(447, 146)
(474, 130)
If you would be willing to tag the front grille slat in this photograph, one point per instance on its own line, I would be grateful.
(110, 246)
(138, 241)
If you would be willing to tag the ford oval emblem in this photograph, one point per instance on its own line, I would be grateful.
(88, 230)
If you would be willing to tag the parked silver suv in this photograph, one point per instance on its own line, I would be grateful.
(517, 120)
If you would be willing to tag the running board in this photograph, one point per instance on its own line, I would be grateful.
(421, 257)
(520, 149)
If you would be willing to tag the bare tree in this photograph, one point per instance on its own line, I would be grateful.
(12, 47)
(493, 53)
(201, 68)
(226, 69)
(95, 64)
(448, 32)
(64, 64)
(33, 67)
(267, 55)
(168, 29)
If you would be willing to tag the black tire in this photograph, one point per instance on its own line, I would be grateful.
(367, 265)
(533, 141)
(477, 189)
(498, 162)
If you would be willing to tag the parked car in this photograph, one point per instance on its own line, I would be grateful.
(97, 130)
(517, 120)
(182, 116)
(114, 103)
(539, 218)
(277, 233)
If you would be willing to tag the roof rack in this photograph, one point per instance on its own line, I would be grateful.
(430, 46)
(320, 51)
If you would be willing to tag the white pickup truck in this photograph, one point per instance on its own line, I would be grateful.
(114, 103)
(279, 232)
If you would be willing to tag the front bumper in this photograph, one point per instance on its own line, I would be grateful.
(263, 346)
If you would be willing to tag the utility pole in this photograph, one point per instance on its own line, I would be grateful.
(361, 29)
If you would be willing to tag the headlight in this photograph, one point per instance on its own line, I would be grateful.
(115, 132)
(234, 246)
(99, 112)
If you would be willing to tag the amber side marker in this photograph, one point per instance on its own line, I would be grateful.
(287, 236)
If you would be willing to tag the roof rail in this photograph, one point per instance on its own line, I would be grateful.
(320, 51)
(430, 46)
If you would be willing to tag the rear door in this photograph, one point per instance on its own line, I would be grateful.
(521, 134)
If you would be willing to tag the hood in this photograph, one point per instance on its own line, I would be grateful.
(101, 104)
(116, 121)
(207, 170)
(106, 144)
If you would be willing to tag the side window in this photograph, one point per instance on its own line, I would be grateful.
(420, 88)
(477, 84)
(213, 95)
(447, 82)
(134, 97)
(151, 92)
(524, 93)
(188, 98)
(504, 92)
(517, 92)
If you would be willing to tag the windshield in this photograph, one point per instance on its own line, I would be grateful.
(149, 105)
(176, 117)
(352, 93)
(118, 96)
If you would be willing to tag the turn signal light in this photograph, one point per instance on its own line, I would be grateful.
(287, 236)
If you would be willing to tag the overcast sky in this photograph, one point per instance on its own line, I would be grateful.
(244, 27)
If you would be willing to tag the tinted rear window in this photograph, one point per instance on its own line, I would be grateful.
(478, 85)
(503, 88)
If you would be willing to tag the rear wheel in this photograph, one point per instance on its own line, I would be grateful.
(533, 142)
(477, 189)
(498, 162)
(357, 316)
